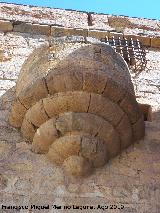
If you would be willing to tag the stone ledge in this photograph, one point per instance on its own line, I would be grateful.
(56, 31)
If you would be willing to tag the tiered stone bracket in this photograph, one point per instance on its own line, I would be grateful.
(75, 103)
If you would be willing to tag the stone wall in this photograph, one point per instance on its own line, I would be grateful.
(132, 179)
(51, 22)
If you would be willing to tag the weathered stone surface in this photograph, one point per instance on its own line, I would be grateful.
(77, 166)
(145, 40)
(90, 124)
(125, 132)
(155, 42)
(78, 75)
(31, 95)
(66, 80)
(94, 150)
(76, 144)
(100, 21)
(114, 91)
(6, 84)
(131, 179)
(34, 68)
(86, 87)
(93, 82)
(28, 130)
(37, 114)
(19, 109)
(139, 129)
(130, 106)
(76, 58)
(69, 101)
(111, 138)
(105, 108)
(32, 28)
(54, 157)
(63, 31)
(44, 137)
(58, 17)
(79, 102)
(98, 34)
(67, 145)
(147, 111)
(5, 26)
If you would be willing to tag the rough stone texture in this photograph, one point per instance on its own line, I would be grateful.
(82, 108)
(5, 26)
(155, 42)
(58, 22)
(44, 136)
(47, 16)
(63, 31)
(126, 25)
(132, 179)
(77, 166)
(32, 28)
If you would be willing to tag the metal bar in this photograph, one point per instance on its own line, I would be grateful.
(131, 50)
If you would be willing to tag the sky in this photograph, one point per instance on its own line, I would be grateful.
(132, 8)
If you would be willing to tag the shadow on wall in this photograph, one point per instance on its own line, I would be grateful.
(9, 136)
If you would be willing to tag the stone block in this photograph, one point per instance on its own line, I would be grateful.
(131, 108)
(19, 109)
(44, 137)
(28, 130)
(145, 40)
(37, 115)
(67, 145)
(69, 101)
(32, 28)
(94, 150)
(155, 42)
(77, 166)
(94, 82)
(116, 35)
(98, 34)
(30, 95)
(70, 80)
(5, 26)
(113, 91)
(62, 31)
(105, 108)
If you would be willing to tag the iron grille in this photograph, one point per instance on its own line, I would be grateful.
(131, 50)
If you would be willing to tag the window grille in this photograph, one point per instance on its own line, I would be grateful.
(131, 50)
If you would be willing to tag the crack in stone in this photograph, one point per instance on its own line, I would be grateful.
(105, 86)
(45, 109)
(45, 82)
(22, 104)
(89, 103)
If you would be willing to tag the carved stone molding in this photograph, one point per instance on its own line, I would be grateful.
(75, 103)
